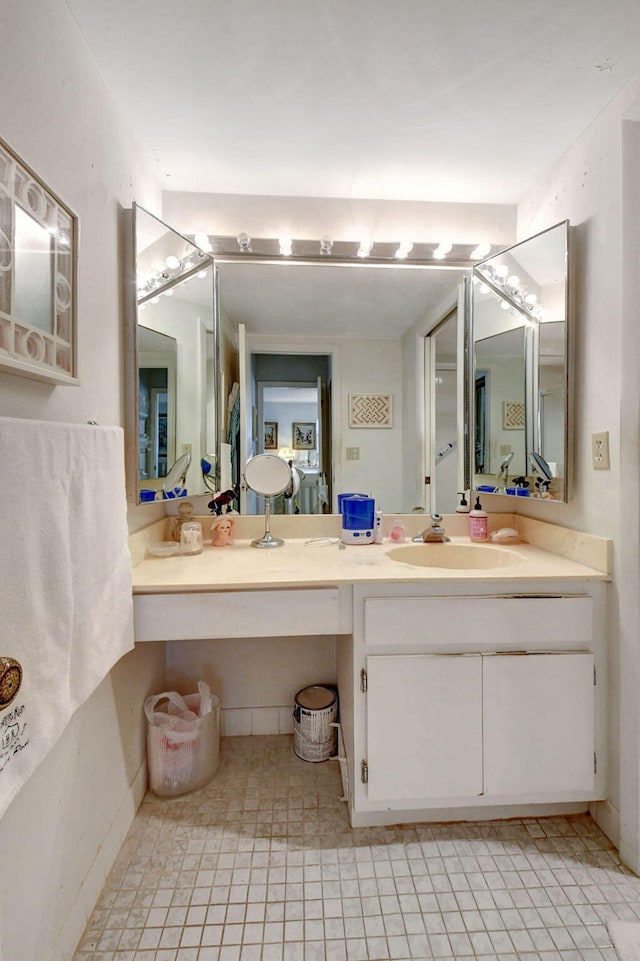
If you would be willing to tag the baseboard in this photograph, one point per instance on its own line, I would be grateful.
(607, 817)
(91, 888)
(239, 721)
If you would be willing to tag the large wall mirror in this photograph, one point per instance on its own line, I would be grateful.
(172, 420)
(355, 371)
(520, 369)
(331, 376)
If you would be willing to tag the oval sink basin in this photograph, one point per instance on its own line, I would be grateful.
(455, 556)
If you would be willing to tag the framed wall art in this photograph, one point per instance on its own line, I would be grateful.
(370, 410)
(513, 415)
(303, 436)
(270, 435)
(38, 276)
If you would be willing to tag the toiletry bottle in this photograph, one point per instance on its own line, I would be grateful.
(377, 536)
(478, 523)
(463, 506)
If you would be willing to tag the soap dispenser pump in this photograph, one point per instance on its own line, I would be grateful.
(478, 523)
(463, 506)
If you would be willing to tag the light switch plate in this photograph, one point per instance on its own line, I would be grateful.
(353, 453)
(600, 450)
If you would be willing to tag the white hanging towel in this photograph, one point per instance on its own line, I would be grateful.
(65, 576)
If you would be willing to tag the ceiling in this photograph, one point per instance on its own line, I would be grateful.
(288, 300)
(409, 100)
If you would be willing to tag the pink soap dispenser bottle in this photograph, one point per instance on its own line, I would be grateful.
(478, 523)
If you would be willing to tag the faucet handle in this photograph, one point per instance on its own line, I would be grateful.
(436, 519)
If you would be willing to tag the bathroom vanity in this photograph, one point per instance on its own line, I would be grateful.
(464, 692)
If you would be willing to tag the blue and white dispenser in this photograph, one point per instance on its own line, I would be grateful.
(358, 519)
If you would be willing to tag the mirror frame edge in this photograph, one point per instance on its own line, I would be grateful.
(128, 221)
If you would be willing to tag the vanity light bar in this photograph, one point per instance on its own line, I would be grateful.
(507, 288)
(194, 264)
(444, 254)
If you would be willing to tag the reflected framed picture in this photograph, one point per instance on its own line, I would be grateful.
(513, 415)
(270, 435)
(303, 435)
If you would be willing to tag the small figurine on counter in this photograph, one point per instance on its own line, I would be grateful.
(222, 531)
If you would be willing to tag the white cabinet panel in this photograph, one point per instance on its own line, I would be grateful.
(538, 724)
(285, 613)
(424, 726)
(448, 621)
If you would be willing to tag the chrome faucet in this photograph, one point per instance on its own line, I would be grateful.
(435, 534)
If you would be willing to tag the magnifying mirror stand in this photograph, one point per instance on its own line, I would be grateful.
(267, 539)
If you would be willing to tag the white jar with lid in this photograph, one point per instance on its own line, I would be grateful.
(191, 538)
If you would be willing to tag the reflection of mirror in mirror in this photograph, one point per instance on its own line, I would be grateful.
(175, 481)
(500, 403)
(520, 337)
(176, 346)
(156, 403)
(33, 293)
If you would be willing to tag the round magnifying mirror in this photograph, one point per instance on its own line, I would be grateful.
(268, 475)
(173, 484)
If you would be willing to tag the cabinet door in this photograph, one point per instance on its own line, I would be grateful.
(538, 724)
(424, 726)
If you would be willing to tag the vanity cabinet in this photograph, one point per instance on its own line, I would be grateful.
(472, 702)
(424, 726)
(459, 698)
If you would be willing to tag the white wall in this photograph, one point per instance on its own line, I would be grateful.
(597, 186)
(65, 825)
(372, 367)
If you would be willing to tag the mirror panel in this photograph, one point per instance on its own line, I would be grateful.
(175, 410)
(356, 330)
(520, 369)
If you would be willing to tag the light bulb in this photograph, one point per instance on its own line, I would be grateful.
(244, 243)
(513, 281)
(201, 274)
(504, 305)
(530, 299)
(202, 241)
(325, 246)
(365, 248)
(404, 249)
(155, 300)
(286, 246)
(502, 270)
(442, 250)
(484, 289)
(172, 262)
(482, 250)
(169, 293)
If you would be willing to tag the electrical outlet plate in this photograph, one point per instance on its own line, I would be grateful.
(353, 453)
(600, 450)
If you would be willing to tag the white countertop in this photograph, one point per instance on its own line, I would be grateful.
(299, 563)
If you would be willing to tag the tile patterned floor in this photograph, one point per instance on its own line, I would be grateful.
(261, 865)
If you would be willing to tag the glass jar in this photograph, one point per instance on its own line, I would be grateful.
(191, 538)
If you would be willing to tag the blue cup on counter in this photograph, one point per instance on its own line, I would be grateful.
(358, 519)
